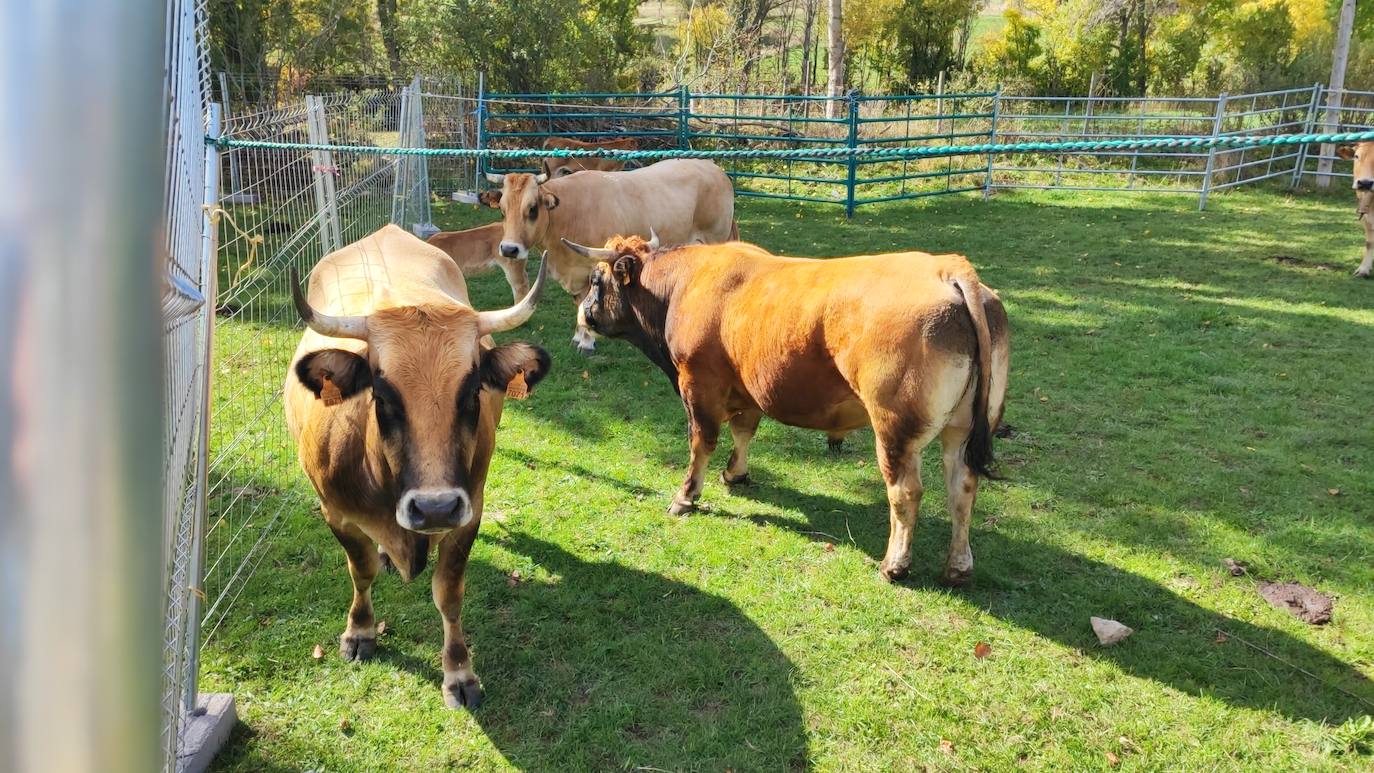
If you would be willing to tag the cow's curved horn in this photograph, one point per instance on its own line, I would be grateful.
(495, 179)
(541, 178)
(598, 253)
(325, 324)
(653, 240)
(517, 315)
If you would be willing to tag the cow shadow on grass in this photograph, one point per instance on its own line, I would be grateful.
(592, 665)
(1046, 589)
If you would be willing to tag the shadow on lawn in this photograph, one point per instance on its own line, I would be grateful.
(1051, 591)
(604, 666)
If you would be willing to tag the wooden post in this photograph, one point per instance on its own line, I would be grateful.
(1334, 88)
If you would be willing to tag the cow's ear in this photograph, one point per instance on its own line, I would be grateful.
(491, 197)
(333, 375)
(550, 201)
(501, 364)
(1346, 152)
(624, 268)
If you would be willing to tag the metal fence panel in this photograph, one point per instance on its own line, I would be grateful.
(1356, 114)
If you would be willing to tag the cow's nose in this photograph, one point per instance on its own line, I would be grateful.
(509, 249)
(1364, 185)
(431, 511)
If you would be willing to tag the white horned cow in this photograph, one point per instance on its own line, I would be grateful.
(680, 201)
(393, 398)
(1363, 156)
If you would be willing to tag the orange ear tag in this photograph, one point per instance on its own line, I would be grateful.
(330, 393)
(517, 389)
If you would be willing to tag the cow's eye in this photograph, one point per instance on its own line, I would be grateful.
(534, 212)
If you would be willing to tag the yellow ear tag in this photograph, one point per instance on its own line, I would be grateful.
(330, 393)
(517, 389)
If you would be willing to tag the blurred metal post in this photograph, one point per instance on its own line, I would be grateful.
(81, 257)
(1212, 151)
(322, 162)
(1307, 127)
(481, 165)
(992, 139)
(853, 170)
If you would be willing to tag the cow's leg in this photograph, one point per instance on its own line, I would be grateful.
(961, 488)
(899, 458)
(461, 685)
(359, 639)
(1368, 263)
(516, 277)
(703, 429)
(743, 425)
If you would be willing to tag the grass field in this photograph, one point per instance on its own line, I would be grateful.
(1178, 396)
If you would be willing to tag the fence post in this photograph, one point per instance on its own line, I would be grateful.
(1307, 128)
(322, 163)
(400, 178)
(849, 202)
(1212, 151)
(684, 111)
(992, 139)
(481, 164)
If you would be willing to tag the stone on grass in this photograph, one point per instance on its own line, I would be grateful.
(1109, 632)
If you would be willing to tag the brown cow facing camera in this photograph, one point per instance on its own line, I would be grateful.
(911, 344)
(393, 398)
(1363, 184)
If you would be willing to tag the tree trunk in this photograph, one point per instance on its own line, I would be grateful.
(835, 85)
(808, 28)
(1334, 88)
(386, 20)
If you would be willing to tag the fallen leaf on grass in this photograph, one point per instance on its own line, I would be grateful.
(345, 725)
(1222, 638)
(1113, 760)
(1335, 492)
(586, 376)
(830, 547)
(947, 746)
(981, 650)
(1236, 568)
(514, 578)
(381, 628)
(318, 652)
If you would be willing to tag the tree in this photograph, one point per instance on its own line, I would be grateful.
(1339, 57)
(388, 26)
(810, 7)
(835, 83)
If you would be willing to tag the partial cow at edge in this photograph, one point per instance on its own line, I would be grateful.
(393, 397)
(911, 344)
(1363, 184)
(682, 201)
(553, 168)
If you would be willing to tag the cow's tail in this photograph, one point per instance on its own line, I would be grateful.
(978, 448)
(734, 230)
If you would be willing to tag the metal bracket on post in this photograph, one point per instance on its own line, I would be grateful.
(1212, 151)
(992, 138)
(852, 178)
(322, 163)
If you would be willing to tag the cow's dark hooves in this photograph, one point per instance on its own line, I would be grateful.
(1365, 275)
(387, 564)
(464, 695)
(893, 573)
(835, 445)
(955, 578)
(357, 648)
(678, 507)
(742, 480)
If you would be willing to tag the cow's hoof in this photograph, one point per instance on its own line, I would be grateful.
(954, 577)
(387, 564)
(1362, 274)
(893, 572)
(463, 693)
(729, 481)
(357, 648)
(681, 507)
(835, 445)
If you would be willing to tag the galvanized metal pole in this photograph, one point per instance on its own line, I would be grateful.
(480, 166)
(684, 110)
(82, 153)
(992, 138)
(1307, 127)
(326, 196)
(1212, 151)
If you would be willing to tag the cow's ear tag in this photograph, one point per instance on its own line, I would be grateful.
(329, 392)
(517, 389)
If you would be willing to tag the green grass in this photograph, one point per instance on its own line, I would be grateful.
(1178, 397)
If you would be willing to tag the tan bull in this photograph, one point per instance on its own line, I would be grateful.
(393, 398)
(911, 344)
(681, 201)
(476, 250)
(554, 168)
(1363, 156)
